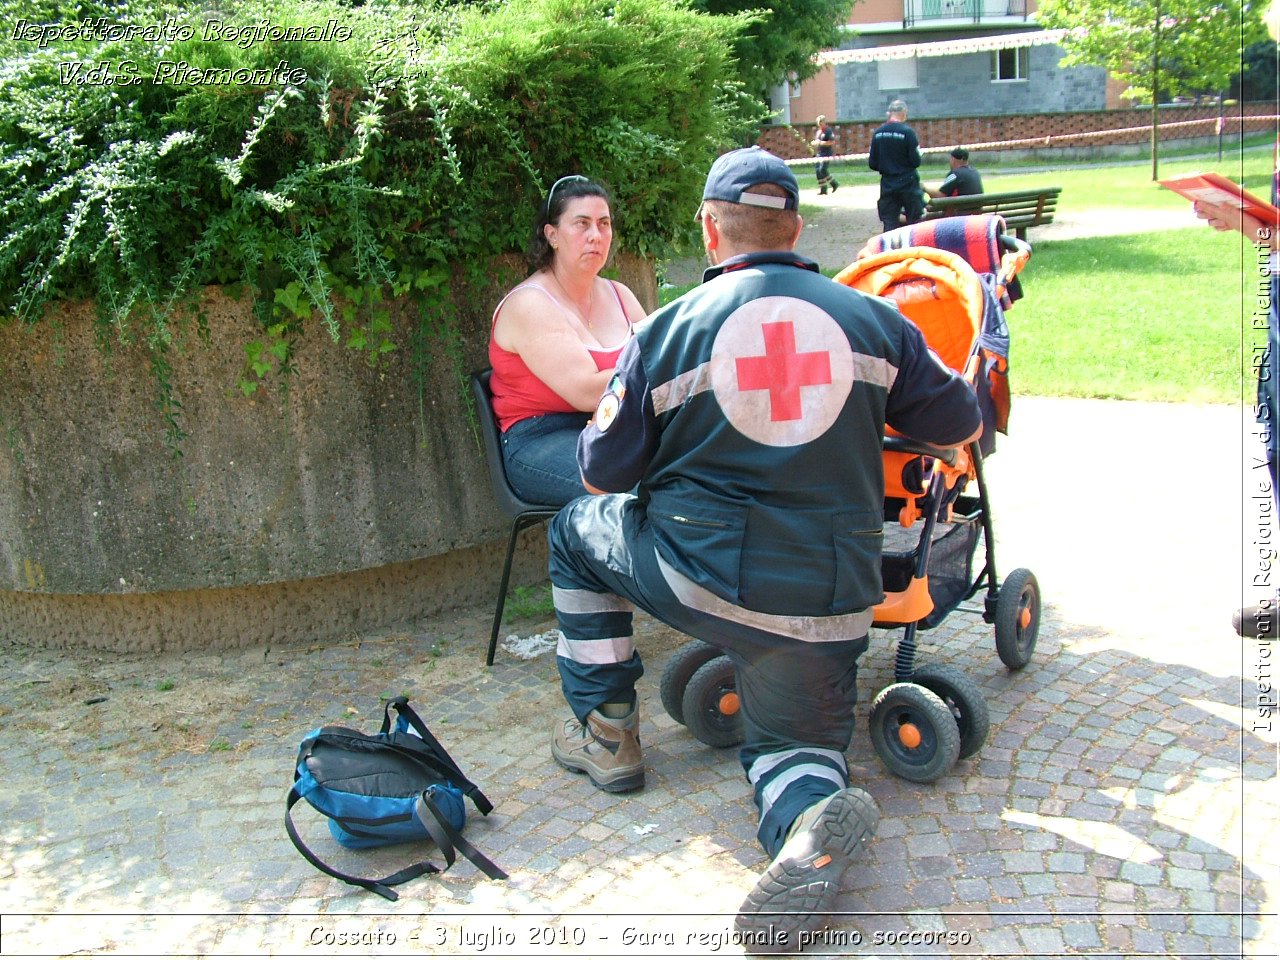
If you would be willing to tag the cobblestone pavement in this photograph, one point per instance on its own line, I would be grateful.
(1124, 805)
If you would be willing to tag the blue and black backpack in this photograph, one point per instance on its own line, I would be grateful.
(396, 786)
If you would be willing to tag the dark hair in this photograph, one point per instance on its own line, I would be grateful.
(552, 209)
(960, 153)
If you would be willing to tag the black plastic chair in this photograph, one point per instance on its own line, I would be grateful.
(523, 515)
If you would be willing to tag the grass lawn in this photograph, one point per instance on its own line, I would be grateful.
(1145, 316)
(1130, 185)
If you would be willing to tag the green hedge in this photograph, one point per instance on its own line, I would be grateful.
(329, 175)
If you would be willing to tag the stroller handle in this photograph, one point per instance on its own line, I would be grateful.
(1016, 254)
(1013, 244)
(948, 455)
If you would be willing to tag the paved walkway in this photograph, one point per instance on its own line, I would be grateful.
(1124, 805)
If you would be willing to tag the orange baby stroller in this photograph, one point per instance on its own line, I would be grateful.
(953, 278)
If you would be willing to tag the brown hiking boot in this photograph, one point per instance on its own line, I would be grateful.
(803, 881)
(607, 751)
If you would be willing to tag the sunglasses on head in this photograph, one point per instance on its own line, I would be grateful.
(551, 197)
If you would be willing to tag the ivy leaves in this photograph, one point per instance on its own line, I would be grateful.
(411, 156)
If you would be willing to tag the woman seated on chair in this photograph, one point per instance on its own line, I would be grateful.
(555, 340)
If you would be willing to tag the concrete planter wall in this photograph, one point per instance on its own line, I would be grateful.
(340, 497)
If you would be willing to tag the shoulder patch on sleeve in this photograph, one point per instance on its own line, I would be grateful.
(607, 411)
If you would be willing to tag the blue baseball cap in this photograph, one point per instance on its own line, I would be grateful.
(735, 172)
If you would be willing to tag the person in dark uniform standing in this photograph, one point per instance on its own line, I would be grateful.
(895, 155)
(962, 181)
(748, 416)
(824, 143)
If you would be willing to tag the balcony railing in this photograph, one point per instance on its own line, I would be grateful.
(967, 11)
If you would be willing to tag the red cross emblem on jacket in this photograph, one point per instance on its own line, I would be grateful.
(781, 370)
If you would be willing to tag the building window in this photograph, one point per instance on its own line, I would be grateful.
(1010, 64)
(897, 74)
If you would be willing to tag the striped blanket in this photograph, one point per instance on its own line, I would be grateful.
(975, 238)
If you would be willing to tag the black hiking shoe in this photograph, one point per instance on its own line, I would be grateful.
(801, 884)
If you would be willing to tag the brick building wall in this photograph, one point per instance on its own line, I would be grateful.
(1080, 129)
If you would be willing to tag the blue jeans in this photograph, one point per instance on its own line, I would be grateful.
(541, 456)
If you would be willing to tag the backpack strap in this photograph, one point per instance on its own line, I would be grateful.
(456, 776)
(382, 886)
(447, 839)
(436, 824)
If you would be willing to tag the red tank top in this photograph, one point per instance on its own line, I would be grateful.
(517, 393)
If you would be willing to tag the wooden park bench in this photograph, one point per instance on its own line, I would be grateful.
(1020, 208)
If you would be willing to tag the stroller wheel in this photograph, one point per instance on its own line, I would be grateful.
(712, 710)
(680, 668)
(914, 733)
(1017, 619)
(963, 698)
